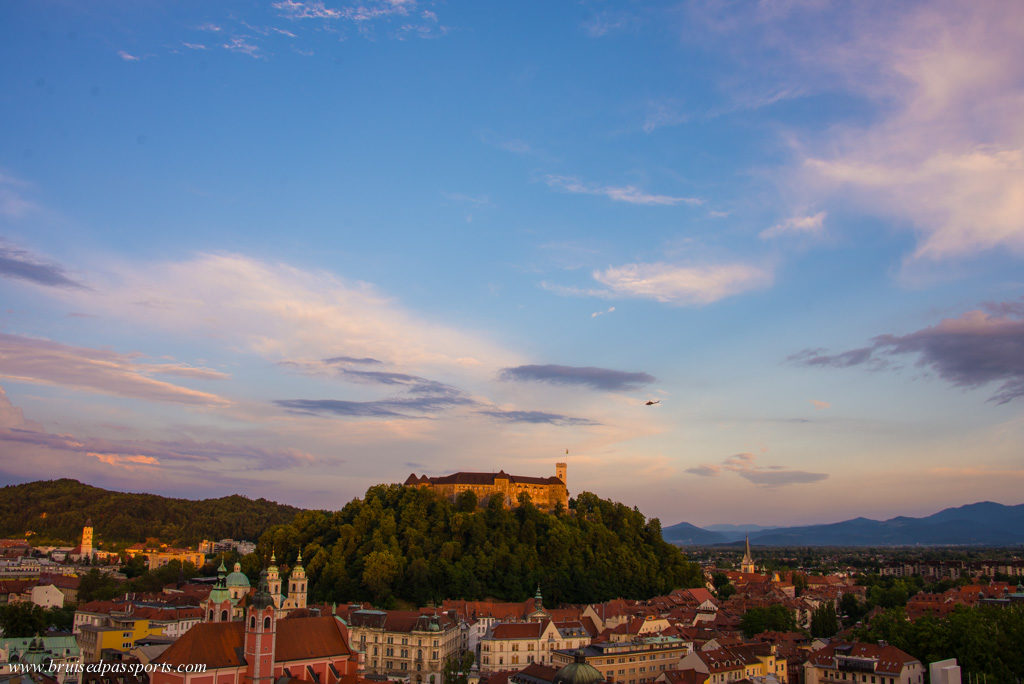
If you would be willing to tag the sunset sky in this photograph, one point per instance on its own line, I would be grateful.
(292, 249)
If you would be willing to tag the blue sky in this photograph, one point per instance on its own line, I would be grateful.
(292, 249)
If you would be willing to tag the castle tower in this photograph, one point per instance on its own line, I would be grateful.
(297, 585)
(274, 580)
(560, 473)
(87, 538)
(747, 564)
(260, 635)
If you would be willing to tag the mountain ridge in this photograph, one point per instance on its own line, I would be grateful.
(983, 523)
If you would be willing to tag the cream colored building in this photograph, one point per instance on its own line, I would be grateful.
(860, 663)
(404, 644)
(514, 645)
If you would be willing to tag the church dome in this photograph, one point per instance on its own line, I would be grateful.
(578, 672)
(237, 578)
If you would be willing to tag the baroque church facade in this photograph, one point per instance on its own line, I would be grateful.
(231, 594)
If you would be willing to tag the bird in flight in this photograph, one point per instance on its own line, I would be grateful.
(652, 402)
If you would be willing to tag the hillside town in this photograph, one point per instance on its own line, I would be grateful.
(746, 624)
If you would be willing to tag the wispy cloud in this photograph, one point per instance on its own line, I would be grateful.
(30, 359)
(536, 417)
(127, 56)
(584, 376)
(664, 113)
(282, 313)
(976, 349)
(306, 10)
(946, 154)
(353, 359)
(242, 45)
(12, 200)
(626, 193)
(744, 465)
(819, 405)
(796, 225)
(404, 407)
(683, 285)
(609, 310)
(20, 264)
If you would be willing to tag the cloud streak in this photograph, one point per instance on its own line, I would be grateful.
(683, 285)
(19, 264)
(36, 360)
(796, 225)
(976, 349)
(582, 376)
(536, 417)
(744, 465)
(627, 193)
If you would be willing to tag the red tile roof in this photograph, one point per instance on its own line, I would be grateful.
(220, 644)
(518, 630)
(889, 659)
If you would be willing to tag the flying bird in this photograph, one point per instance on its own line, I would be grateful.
(652, 402)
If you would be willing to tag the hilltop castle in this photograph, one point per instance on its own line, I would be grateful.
(545, 492)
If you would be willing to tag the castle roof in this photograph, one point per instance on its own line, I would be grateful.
(467, 478)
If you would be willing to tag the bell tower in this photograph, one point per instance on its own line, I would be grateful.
(260, 635)
(298, 584)
(274, 580)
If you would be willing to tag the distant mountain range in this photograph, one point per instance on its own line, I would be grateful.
(985, 523)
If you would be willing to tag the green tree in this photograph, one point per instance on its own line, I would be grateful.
(97, 586)
(824, 622)
(456, 668)
(775, 618)
(22, 620)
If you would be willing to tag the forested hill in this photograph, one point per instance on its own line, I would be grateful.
(405, 543)
(56, 510)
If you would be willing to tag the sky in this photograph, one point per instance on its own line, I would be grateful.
(292, 249)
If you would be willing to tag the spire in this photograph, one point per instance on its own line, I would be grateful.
(748, 546)
(298, 562)
(539, 599)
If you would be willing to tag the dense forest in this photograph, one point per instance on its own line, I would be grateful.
(55, 510)
(985, 640)
(404, 544)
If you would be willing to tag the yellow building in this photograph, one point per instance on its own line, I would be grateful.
(159, 560)
(119, 635)
(544, 492)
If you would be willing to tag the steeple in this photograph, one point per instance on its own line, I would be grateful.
(747, 564)
(274, 580)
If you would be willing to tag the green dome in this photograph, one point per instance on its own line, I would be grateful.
(238, 578)
(578, 672)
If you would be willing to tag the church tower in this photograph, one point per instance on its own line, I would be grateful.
(260, 635)
(297, 585)
(274, 580)
(87, 539)
(217, 607)
(747, 564)
(560, 472)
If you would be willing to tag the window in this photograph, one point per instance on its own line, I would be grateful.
(252, 622)
(266, 623)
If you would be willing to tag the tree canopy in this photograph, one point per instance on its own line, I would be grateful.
(410, 544)
(56, 510)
